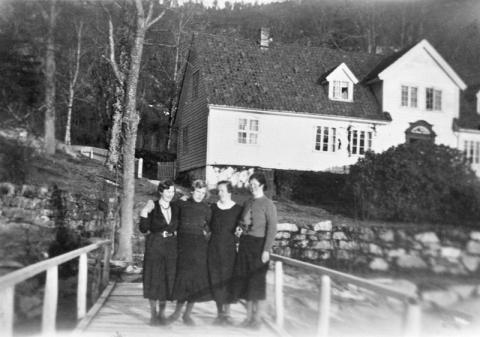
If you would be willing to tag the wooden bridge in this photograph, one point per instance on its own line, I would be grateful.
(121, 309)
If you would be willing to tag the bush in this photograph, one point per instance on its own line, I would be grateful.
(419, 182)
(314, 188)
(15, 161)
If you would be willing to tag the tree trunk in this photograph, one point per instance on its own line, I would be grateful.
(131, 120)
(71, 86)
(49, 122)
(114, 146)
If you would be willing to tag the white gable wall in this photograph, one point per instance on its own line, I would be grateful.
(284, 141)
(417, 68)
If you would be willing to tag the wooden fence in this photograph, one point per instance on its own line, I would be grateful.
(412, 311)
(50, 297)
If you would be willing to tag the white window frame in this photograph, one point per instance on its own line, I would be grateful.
(325, 139)
(408, 96)
(335, 89)
(359, 141)
(436, 96)
(247, 131)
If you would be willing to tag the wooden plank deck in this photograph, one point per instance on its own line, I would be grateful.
(126, 313)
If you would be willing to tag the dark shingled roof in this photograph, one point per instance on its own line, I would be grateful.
(287, 78)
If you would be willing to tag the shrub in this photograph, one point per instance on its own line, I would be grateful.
(314, 188)
(15, 161)
(419, 182)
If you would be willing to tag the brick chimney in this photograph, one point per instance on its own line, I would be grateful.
(265, 38)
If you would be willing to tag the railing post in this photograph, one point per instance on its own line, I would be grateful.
(91, 153)
(279, 312)
(324, 307)
(82, 286)
(6, 311)
(411, 327)
(50, 301)
(140, 168)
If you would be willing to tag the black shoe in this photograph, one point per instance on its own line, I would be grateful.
(172, 318)
(162, 320)
(218, 320)
(227, 320)
(255, 324)
(246, 323)
(188, 320)
(154, 321)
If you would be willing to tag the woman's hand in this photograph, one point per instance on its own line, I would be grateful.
(238, 231)
(147, 209)
(265, 256)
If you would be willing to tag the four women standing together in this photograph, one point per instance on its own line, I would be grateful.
(199, 261)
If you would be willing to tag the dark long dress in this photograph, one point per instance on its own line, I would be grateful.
(159, 262)
(222, 252)
(191, 282)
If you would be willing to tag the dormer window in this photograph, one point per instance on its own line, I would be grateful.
(341, 90)
(341, 82)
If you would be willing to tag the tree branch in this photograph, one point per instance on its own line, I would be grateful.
(152, 22)
(116, 71)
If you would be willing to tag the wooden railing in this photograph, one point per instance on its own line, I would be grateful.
(49, 314)
(412, 311)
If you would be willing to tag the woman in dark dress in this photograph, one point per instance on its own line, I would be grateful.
(259, 222)
(159, 220)
(222, 250)
(191, 282)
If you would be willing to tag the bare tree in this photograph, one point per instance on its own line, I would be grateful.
(50, 67)
(73, 82)
(131, 119)
(119, 71)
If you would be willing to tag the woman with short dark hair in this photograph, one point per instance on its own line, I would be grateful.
(159, 220)
(259, 223)
(222, 250)
(191, 282)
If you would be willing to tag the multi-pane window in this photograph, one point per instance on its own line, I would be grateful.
(325, 139)
(472, 151)
(247, 131)
(409, 96)
(359, 141)
(433, 99)
(340, 90)
(185, 139)
(195, 79)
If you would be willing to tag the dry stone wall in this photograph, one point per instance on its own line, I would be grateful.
(37, 222)
(441, 250)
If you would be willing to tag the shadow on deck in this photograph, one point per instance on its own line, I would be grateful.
(122, 311)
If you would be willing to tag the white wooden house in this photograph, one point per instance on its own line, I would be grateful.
(245, 105)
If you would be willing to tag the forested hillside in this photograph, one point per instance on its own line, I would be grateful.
(373, 26)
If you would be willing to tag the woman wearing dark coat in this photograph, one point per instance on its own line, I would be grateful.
(191, 282)
(159, 220)
(222, 250)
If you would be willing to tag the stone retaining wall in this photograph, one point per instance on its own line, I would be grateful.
(37, 222)
(441, 250)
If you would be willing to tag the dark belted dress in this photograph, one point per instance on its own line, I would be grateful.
(160, 259)
(222, 251)
(191, 282)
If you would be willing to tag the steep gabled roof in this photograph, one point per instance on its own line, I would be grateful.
(287, 78)
(376, 73)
